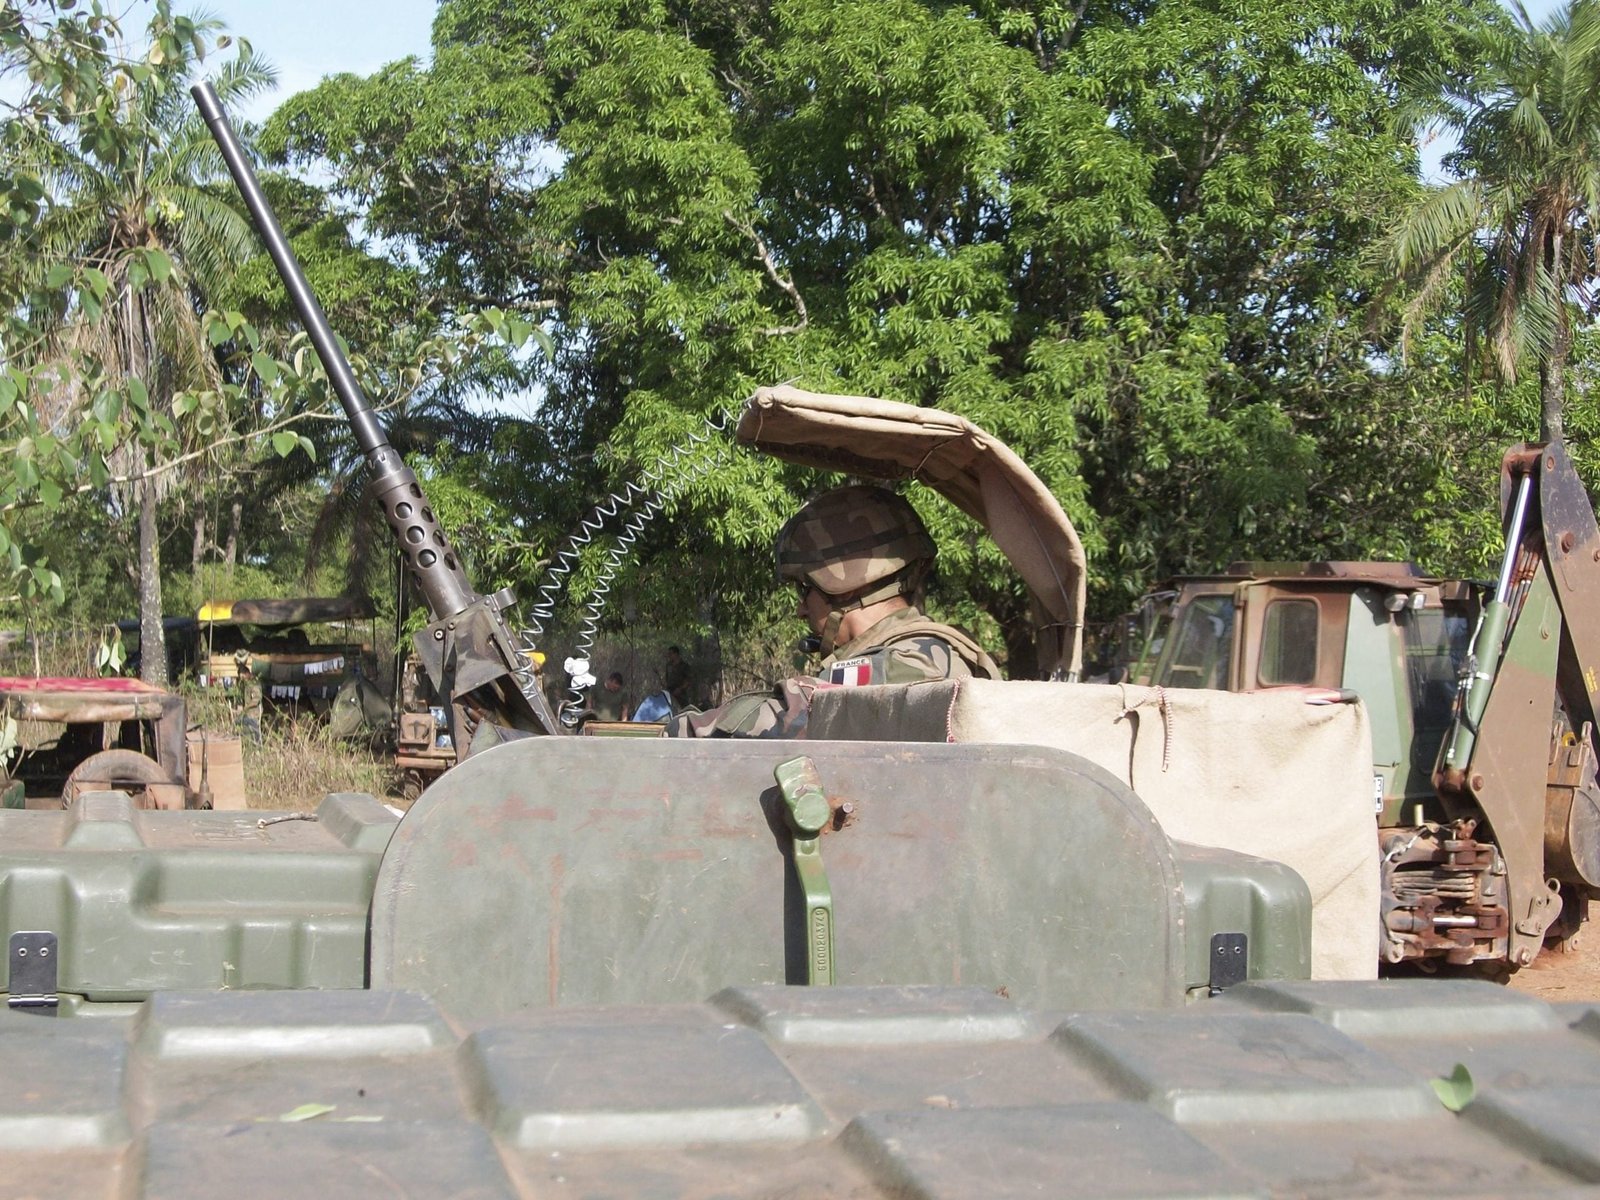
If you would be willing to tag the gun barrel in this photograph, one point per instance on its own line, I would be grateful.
(434, 565)
(369, 433)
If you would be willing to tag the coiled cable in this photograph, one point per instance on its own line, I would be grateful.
(638, 502)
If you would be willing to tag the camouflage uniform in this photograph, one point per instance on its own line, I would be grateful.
(907, 647)
(904, 647)
(856, 546)
(606, 704)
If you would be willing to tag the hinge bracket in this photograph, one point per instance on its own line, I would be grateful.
(1230, 960)
(32, 960)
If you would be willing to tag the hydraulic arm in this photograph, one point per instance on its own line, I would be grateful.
(1520, 756)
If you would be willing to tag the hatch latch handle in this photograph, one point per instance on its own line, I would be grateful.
(807, 812)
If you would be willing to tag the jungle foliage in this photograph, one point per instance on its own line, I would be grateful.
(1151, 245)
(153, 392)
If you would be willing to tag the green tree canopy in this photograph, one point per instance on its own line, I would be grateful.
(1127, 238)
(153, 367)
(108, 279)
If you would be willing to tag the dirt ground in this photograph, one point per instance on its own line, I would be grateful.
(1565, 978)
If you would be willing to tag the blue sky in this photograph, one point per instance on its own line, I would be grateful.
(308, 39)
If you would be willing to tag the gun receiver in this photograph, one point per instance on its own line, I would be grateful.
(468, 649)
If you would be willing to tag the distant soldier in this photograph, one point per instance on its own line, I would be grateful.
(857, 557)
(609, 701)
(676, 677)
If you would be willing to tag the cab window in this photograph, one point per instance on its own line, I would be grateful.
(1289, 643)
(1202, 645)
(1437, 642)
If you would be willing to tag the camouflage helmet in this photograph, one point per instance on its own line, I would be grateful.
(850, 538)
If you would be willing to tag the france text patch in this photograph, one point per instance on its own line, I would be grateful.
(852, 672)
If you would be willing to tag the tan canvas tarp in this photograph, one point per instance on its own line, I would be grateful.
(881, 439)
(1262, 773)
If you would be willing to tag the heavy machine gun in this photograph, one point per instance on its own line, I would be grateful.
(468, 650)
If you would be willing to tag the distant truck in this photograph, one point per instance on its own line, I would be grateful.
(269, 643)
(1384, 630)
(1481, 699)
(68, 736)
(423, 748)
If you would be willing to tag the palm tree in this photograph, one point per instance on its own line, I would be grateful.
(1519, 225)
(127, 197)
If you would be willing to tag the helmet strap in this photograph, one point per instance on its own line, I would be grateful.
(830, 631)
(905, 583)
(911, 581)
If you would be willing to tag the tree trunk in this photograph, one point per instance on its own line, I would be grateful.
(230, 551)
(1015, 619)
(1553, 382)
(1022, 651)
(197, 553)
(152, 637)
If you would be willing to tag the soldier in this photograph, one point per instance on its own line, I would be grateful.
(609, 701)
(857, 557)
(676, 676)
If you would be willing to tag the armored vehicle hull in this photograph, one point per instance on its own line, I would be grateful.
(576, 985)
(1323, 1090)
(552, 872)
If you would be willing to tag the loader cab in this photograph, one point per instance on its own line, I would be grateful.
(1142, 636)
(1197, 647)
(1389, 633)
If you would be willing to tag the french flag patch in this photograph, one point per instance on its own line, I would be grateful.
(852, 672)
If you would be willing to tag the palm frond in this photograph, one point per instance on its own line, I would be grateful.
(1526, 122)
(243, 77)
(214, 238)
(1439, 222)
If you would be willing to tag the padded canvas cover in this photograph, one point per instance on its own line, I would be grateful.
(1263, 773)
(882, 439)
